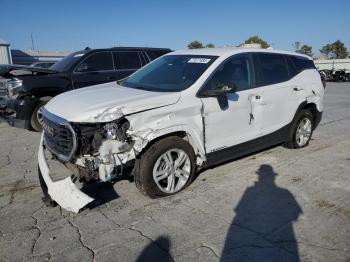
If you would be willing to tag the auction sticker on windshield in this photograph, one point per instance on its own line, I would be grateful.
(199, 60)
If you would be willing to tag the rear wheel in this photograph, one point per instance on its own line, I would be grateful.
(166, 168)
(301, 130)
(36, 117)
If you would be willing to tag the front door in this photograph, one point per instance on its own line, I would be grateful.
(234, 118)
(96, 69)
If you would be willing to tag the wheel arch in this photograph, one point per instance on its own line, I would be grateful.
(185, 133)
(313, 109)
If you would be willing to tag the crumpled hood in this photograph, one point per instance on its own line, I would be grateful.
(11, 70)
(106, 102)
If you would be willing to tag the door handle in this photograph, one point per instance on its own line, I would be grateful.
(253, 98)
(297, 89)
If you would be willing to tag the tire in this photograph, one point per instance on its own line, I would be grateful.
(146, 167)
(301, 119)
(34, 121)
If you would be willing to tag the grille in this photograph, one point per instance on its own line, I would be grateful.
(3, 91)
(59, 136)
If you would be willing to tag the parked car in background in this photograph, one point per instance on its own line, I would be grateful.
(28, 88)
(45, 64)
(185, 111)
(336, 75)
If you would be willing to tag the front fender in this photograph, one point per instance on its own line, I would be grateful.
(147, 136)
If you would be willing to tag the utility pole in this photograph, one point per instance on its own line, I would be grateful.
(31, 36)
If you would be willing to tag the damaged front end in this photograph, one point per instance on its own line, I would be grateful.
(90, 151)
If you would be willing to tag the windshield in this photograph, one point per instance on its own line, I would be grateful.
(170, 73)
(66, 62)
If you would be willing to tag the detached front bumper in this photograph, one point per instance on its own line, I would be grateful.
(63, 191)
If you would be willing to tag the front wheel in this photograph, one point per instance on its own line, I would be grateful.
(166, 168)
(36, 116)
(301, 130)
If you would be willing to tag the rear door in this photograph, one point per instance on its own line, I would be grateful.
(126, 63)
(96, 68)
(278, 98)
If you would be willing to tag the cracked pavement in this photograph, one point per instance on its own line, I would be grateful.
(276, 205)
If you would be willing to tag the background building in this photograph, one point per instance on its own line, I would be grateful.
(27, 57)
(330, 64)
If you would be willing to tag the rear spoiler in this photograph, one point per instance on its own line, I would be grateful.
(15, 70)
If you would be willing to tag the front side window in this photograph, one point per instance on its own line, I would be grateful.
(170, 73)
(271, 69)
(67, 62)
(236, 72)
(127, 60)
(100, 61)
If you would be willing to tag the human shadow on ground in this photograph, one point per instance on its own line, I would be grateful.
(262, 229)
(158, 250)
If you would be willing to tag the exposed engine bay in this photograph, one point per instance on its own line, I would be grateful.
(100, 150)
(103, 149)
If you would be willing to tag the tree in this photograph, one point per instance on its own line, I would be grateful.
(306, 50)
(335, 50)
(210, 45)
(195, 44)
(257, 40)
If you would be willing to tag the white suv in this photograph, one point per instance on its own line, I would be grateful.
(184, 111)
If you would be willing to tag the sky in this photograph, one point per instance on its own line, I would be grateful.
(72, 25)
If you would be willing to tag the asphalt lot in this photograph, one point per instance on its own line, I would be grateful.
(277, 205)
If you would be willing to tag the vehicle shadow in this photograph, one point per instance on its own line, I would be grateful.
(101, 192)
(262, 229)
(104, 192)
(202, 170)
(158, 250)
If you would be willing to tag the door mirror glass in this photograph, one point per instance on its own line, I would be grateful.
(220, 90)
(82, 67)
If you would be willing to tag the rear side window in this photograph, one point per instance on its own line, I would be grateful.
(302, 63)
(291, 66)
(96, 62)
(127, 60)
(153, 54)
(270, 69)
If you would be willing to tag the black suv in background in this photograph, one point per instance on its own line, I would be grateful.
(24, 90)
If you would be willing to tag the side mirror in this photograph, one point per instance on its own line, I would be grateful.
(219, 91)
(82, 67)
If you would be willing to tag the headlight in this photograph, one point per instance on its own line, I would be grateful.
(111, 131)
(117, 130)
(12, 86)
